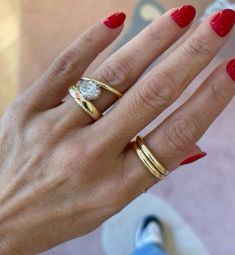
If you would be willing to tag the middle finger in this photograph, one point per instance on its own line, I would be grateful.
(164, 84)
(125, 66)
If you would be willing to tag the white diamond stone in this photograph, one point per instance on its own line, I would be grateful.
(89, 90)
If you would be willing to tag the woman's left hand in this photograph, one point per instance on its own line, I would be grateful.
(61, 174)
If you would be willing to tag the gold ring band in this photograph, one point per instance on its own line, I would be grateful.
(151, 157)
(146, 162)
(148, 159)
(90, 89)
(86, 105)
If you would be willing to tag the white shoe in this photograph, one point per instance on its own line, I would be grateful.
(150, 230)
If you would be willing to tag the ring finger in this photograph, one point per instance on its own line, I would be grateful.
(124, 67)
(184, 127)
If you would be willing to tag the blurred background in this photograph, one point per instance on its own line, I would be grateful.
(198, 200)
(9, 38)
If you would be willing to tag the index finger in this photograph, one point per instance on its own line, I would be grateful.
(67, 68)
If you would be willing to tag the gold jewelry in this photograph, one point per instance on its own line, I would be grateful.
(101, 85)
(90, 89)
(146, 156)
(151, 157)
(146, 162)
(87, 106)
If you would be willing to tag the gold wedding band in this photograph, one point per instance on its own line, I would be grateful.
(148, 159)
(88, 89)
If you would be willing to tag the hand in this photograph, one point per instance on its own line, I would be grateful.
(61, 174)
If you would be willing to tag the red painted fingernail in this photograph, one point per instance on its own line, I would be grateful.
(231, 69)
(223, 22)
(115, 20)
(193, 158)
(184, 15)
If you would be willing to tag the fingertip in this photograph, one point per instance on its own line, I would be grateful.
(231, 69)
(193, 158)
(192, 154)
(184, 15)
(222, 22)
(115, 20)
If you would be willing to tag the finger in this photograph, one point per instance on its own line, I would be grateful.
(53, 86)
(136, 174)
(165, 83)
(184, 127)
(125, 66)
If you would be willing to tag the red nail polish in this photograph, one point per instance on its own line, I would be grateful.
(223, 22)
(193, 158)
(115, 20)
(184, 15)
(231, 69)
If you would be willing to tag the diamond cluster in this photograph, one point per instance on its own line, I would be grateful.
(89, 90)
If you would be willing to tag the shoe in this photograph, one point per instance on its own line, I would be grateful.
(150, 230)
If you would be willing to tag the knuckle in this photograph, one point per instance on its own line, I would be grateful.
(15, 107)
(154, 35)
(198, 48)
(69, 60)
(157, 93)
(64, 63)
(67, 64)
(21, 111)
(218, 94)
(14, 113)
(119, 71)
(90, 39)
(181, 133)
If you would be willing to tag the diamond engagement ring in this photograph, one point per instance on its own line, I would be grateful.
(88, 89)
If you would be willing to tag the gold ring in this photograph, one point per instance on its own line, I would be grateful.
(87, 106)
(151, 157)
(90, 89)
(147, 157)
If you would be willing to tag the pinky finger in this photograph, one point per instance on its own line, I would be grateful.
(171, 141)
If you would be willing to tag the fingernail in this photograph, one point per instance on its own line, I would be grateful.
(193, 158)
(223, 22)
(115, 20)
(231, 69)
(184, 15)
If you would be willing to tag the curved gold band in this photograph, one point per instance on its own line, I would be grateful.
(85, 104)
(147, 157)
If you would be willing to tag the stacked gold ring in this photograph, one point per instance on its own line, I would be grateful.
(148, 159)
(84, 95)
